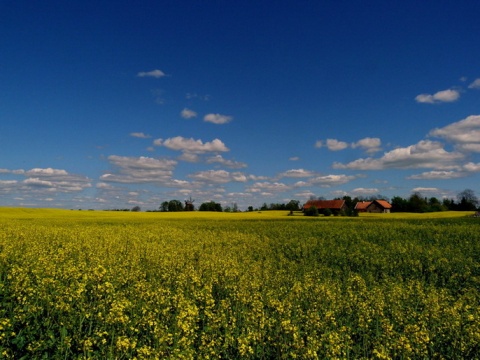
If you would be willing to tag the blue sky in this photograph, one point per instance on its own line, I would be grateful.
(111, 106)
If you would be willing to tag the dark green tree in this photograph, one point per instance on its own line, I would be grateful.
(293, 205)
(210, 206)
(467, 200)
(175, 205)
(164, 206)
(417, 203)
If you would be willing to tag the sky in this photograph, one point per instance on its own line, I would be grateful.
(114, 105)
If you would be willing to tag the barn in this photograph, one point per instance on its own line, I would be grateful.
(335, 206)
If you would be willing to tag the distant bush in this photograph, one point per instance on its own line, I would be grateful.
(327, 212)
(311, 211)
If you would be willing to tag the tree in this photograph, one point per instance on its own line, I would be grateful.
(210, 206)
(293, 205)
(234, 207)
(435, 205)
(250, 208)
(164, 206)
(417, 203)
(467, 200)
(136, 208)
(175, 205)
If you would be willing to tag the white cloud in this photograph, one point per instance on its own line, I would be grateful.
(448, 95)
(425, 189)
(140, 170)
(332, 144)
(370, 145)
(437, 175)
(424, 154)
(140, 135)
(189, 157)
(46, 172)
(465, 134)
(472, 167)
(331, 180)
(294, 158)
(297, 173)
(475, 84)
(365, 191)
(5, 183)
(54, 180)
(217, 118)
(180, 143)
(218, 176)
(188, 114)
(154, 73)
(105, 186)
(335, 145)
(269, 187)
(228, 163)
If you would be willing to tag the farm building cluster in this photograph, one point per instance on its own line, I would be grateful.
(338, 206)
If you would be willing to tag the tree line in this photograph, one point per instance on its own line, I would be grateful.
(466, 200)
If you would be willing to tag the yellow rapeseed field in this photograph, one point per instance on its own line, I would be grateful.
(112, 285)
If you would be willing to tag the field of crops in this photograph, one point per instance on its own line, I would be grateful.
(108, 285)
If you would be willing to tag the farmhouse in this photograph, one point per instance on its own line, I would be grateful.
(375, 206)
(335, 206)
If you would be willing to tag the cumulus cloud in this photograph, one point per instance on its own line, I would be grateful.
(217, 118)
(370, 145)
(425, 189)
(189, 157)
(191, 145)
(465, 134)
(475, 84)
(142, 169)
(365, 191)
(140, 135)
(448, 95)
(55, 180)
(154, 73)
(472, 167)
(218, 176)
(297, 173)
(437, 175)
(225, 162)
(7, 182)
(8, 171)
(331, 180)
(188, 114)
(424, 154)
(332, 144)
(268, 187)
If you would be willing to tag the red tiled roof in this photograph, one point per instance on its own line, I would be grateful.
(384, 204)
(325, 204)
(362, 205)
